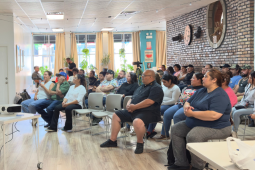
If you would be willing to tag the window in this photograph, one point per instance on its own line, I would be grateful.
(86, 41)
(44, 51)
(122, 41)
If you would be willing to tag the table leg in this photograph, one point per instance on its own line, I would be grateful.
(37, 145)
(4, 145)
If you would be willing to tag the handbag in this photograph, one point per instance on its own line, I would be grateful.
(239, 106)
(25, 95)
(244, 157)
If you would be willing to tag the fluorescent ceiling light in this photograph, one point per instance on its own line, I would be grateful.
(58, 30)
(55, 16)
(107, 29)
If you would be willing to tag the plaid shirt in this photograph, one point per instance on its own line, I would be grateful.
(121, 81)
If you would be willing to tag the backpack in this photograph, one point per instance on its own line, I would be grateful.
(17, 99)
(25, 95)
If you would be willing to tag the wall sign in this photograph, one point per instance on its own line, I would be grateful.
(148, 45)
(148, 56)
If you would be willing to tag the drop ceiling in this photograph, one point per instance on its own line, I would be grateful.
(93, 15)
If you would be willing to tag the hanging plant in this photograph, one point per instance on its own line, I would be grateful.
(92, 67)
(105, 60)
(123, 59)
(84, 63)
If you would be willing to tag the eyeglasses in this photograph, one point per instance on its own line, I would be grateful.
(143, 75)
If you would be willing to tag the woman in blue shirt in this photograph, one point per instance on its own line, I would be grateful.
(208, 114)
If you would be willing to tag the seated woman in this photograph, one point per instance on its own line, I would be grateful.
(128, 88)
(177, 70)
(28, 106)
(247, 103)
(208, 114)
(171, 95)
(170, 70)
(72, 100)
(182, 74)
(231, 94)
(176, 112)
(75, 71)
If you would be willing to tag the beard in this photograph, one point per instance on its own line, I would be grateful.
(244, 75)
(118, 78)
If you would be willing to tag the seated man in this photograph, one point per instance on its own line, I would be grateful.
(235, 69)
(225, 68)
(61, 70)
(142, 109)
(28, 106)
(92, 79)
(121, 78)
(75, 72)
(187, 79)
(58, 92)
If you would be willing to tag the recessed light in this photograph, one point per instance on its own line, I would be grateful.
(107, 29)
(58, 30)
(55, 15)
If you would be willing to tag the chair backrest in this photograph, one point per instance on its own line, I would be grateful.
(95, 101)
(113, 102)
(126, 99)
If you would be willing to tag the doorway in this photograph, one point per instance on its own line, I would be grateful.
(4, 99)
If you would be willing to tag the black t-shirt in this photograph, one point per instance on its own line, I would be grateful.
(71, 66)
(97, 83)
(92, 81)
(127, 89)
(151, 91)
(187, 78)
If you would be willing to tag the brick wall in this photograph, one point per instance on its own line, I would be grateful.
(237, 46)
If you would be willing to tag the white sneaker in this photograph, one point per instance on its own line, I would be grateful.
(234, 134)
(34, 122)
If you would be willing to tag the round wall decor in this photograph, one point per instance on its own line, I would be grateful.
(188, 35)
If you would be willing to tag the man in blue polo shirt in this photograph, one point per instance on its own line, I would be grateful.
(235, 69)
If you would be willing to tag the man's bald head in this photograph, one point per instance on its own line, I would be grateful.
(148, 76)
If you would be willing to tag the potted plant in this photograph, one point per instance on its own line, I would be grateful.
(92, 67)
(105, 61)
(130, 67)
(84, 63)
(122, 56)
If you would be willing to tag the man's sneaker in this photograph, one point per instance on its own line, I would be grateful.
(50, 130)
(34, 122)
(139, 148)
(175, 167)
(63, 129)
(161, 137)
(109, 143)
(234, 134)
(47, 125)
(96, 121)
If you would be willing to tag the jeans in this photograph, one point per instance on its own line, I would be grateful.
(197, 134)
(68, 110)
(49, 105)
(28, 106)
(163, 108)
(236, 116)
(168, 116)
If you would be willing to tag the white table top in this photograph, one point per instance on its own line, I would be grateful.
(215, 153)
(11, 118)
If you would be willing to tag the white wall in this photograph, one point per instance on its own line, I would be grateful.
(7, 39)
(23, 38)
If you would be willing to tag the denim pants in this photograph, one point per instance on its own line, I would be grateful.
(163, 108)
(49, 105)
(236, 116)
(28, 106)
(174, 111)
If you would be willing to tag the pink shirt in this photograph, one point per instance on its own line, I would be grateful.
(177, 73)
(232, 96)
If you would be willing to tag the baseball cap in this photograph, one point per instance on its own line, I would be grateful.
(246, 66)
(190, 65)
(61, 74)
(110, 72)
(225, 66)
(234, 66)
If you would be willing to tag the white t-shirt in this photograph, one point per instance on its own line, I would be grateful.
(77, 93)
(41, 93)
(171, 95)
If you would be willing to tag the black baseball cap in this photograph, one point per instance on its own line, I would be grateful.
(225, 66)
(190, 65)
(110, 72)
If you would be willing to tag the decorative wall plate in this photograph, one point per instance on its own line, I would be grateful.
(188, 35)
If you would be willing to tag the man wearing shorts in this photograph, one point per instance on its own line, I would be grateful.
(143, 108)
